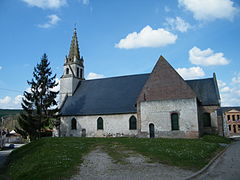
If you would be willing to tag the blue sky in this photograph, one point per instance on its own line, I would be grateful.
(121, 37)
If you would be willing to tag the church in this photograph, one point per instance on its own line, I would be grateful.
(157, 104)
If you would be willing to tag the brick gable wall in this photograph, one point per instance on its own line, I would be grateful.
(165, 83)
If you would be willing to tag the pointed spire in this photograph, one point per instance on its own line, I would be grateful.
(74, 53)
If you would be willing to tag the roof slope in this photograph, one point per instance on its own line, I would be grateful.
(165, 83)
(105, 96)
(206, 90)
(118, 95)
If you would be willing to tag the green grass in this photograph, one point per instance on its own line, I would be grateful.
(48, 158)
(58, 158)
(216, 139)
(185, 153)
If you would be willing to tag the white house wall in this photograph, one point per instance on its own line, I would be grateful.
(159, 113)
(113, 125)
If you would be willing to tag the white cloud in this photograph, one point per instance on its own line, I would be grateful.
(191, 73)
(56, 88)
(46, 4)
(177, 24)
(92, 75)
(18, 99)
(208, 10)
(0, 67)
(221, 84)
(147, 37)
(53, 20)
(206, 57)
(5, 100)
(166, 9)
(230, 92)
(236, 79)
(85, 2)
(15, 102)
(225, 89)
(11, 102)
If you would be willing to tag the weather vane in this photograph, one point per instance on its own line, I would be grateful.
(75, 26)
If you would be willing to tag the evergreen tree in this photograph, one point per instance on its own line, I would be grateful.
(39, 104)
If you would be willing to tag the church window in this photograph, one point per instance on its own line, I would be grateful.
(77, 72)
(67, 71)
(132, 123)
(74, 123)
(174, 121)
(81, 73)
(99, 123)
(233, 117)
(229, 127)
(206, 120)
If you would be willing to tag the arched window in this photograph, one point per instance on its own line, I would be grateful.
(99, 123)
(67, 71)
(206, 120)
(74, 123)
(174, 121)
(132, 123)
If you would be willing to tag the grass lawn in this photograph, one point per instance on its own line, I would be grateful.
(55, 158)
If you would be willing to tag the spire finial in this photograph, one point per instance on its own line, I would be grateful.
(74, 50)
(75, 27)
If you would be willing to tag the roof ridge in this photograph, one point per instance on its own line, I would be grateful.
(198, 79)
(117, 76)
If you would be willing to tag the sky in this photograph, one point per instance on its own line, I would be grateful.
(120, 37)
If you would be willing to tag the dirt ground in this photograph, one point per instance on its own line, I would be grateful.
(99, 165)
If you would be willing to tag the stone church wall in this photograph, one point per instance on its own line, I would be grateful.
(113, 126)
(67, 86)
(216, 123)
(159, 114)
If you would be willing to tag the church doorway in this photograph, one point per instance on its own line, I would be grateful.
(151, 130)
(83, 132)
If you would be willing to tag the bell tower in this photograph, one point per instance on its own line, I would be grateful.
(73, 71)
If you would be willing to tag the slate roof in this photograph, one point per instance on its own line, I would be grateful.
(105, 96)
(118, 95)
(206, 91)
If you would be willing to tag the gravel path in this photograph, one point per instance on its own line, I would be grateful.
(226, 167)
(99, 165)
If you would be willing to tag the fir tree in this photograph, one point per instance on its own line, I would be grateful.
(39, 104)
